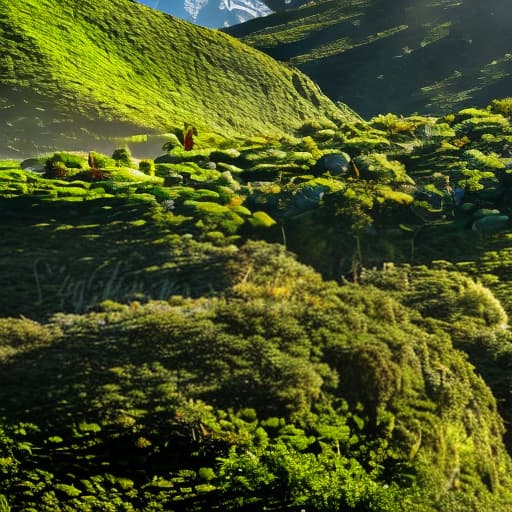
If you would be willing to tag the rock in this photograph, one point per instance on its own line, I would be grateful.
(335, 163)
(172, 180)
(490, 223)
(484, 212)
(165, 159)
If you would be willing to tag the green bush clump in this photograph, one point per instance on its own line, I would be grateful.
(475, 122)
(485, 162)
(451, 296)
(122, 157)
(102, 161)
(147, 167)
(502, 106)
(70, 160)
(215, 217)
(312, 126)
(71, 191)
(262, 219)
(55, 169)
(393, 124)
(376, 166)
(18, 335)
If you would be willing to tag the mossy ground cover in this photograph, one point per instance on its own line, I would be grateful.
(379, 56)
(283, 393)
(182, 361)
(345, 196)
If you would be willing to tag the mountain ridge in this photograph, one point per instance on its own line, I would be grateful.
(402, 57)
(211, 13)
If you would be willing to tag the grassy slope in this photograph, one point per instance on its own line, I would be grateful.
(402, 57)
(118, 396)
(405, 369)
(72, 71)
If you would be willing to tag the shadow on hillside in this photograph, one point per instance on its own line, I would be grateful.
(98, 394)
(68, 256)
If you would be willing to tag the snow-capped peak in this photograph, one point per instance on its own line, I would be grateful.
(212, 13)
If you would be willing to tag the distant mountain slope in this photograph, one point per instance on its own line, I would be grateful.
(402, 55)
(74, 72)
(212, 13)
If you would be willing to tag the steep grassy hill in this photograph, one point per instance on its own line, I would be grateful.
(398, 56)
(72, 72)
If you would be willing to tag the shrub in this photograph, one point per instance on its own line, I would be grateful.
(393, 124)
(214, 217)
(147, 167)
(58, 165)
(22, 334)
(312, 126)
(376, 166)
(450, 296)
(502, 106)
(70, 160)
(122, 157)
(102, 161)
(485, 162)
(55, 169)
(262, 219)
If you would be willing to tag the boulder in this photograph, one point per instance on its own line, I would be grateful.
(490, 223)
(335, 163)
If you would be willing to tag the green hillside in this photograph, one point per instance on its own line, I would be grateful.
(160, 348)
(394, 56)
(320, 396)
(306, 310)
(72, 73)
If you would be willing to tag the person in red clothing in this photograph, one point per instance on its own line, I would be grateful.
(188, 138)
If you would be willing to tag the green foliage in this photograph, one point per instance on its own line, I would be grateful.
(502, 106)
(180, 363)
(376, 166)
(393, 124)
(123, 158)
(213, 216)
(70, 160)
(4, 505)
(261, 219)
(147, 167)
(55, 169)
(312, 127)
(478, 160)
(102, 161)
(315, 398)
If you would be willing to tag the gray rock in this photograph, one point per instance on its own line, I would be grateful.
(335, 163)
